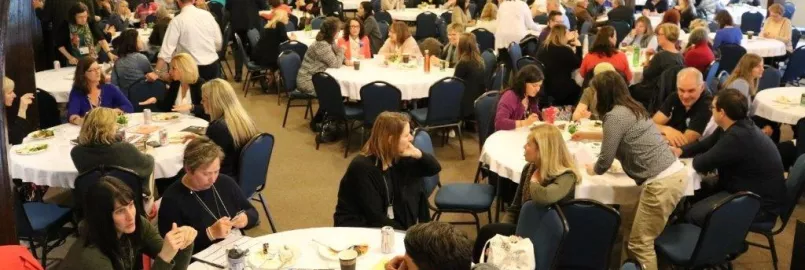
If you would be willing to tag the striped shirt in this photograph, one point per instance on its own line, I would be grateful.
(637, 143)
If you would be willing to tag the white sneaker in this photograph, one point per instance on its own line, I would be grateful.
(452, 134)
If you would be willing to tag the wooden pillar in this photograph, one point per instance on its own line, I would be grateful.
(8, 230)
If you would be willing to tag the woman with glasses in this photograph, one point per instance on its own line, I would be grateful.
(91, 91)
(778, 27)
(518, 106)
(80, 37)
(354, 41)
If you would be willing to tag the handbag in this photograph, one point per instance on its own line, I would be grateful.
(509, 253)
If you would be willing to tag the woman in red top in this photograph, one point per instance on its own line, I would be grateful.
(604, 50)
(146, 9)
(355, 42)
(698, 53)
(275, 5)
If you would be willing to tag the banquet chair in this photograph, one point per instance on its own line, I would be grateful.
(316, 23)
(289, 64)
(384, 30)
(730, 55)
(426, 26)
(710, 77)
(770, 78)
(447, 17)
(143, 90)
(227, 35)
(86, 179)
(293, 23)
(485, 107)
(667, 86)
(795, 67)
(546, 228)
(383, 16)
(490, 59)
(254, 162)
(48, 108)
(298, 47)
(444, 108)
(486, 40)
(795, 37)
(40, 223)
(631, 264)
(331, 103)
(339, 11)
(378, 97)
(376, 6)
(621, 30)
(498, 78)
(541, 19)
(794, 188)
(572, 20)
(790, 8)
(441, 28)
(468, 198)
(713, 244)
(529, 45)
(253, 70)
(712, 26)
(528, 60)
(593, 228)
(751, 21)
(515, 52)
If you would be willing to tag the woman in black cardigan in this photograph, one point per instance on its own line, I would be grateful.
(18, 126)
(274, 34)
(184, 94)
(470, 68)
(383, 185)
(79, 37)
(560, 61)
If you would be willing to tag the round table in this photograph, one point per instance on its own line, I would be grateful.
(413, 83)
(145, 35)
(303, 37)
(409, 14)
(768, 104)
(57, 82)
(310, 258)
(351, 4)
(55, 168)
(763, 47)
(503, 152)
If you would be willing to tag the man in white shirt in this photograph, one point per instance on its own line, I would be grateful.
(553, 5)
(193, 31)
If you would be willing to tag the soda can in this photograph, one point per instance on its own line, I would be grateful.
(56, 65)
(163, 137)
(147, 117)
(387, 240)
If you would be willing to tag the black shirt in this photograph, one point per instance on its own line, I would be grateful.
(660, 7)
(363, 194)
(473, 76)
(746, 160)
(180, 205)
(695, 119)
(560, 62)
(218, 132)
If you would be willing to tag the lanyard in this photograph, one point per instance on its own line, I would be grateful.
(100, 99)
(215, 197)
(389, 195)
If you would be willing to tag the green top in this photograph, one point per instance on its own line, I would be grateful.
(559, 188)
(81, 256)
(222, 2)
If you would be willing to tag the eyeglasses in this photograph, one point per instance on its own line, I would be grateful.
(94, 69)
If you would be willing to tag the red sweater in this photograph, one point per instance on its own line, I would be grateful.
(618, 60)
(699, 56)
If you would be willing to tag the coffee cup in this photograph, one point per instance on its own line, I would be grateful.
(406, 58)
(356, 64)
(750, 34)
(348, 259)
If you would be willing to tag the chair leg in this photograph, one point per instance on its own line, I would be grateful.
(772, 249)
(246, 83)
(309, 107)
(346, 139)
(477, 222)
(489, 215)
(287, 107)
(478, 173)
(433, 217)
(460, 141)
(268, 214)
(44, 250)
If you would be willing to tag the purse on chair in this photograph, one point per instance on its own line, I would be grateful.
(509, 253)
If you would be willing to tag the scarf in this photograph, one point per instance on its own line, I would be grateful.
(81, 36)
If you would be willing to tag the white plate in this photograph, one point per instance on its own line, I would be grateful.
(178, 137)
(258, 260)
(24, 149)
(31, 136)
(325, 252)
(162, 117)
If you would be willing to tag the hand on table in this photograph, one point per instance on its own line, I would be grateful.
(189, 137)
(531, 119)
(590, 169)
(119, 111)
(182, 108)
(148, 101)
(348, 62)
(674, 137)
(292, 36)
(396, 263)
(240, 221)
(112, 56)
(585, 114)
(72, 60)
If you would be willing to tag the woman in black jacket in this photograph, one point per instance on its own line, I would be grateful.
(656, 6)
(18, 126)
(470, 68)
(79, 37)
(687, 12)
(560, 61)
(383, 185)
(184, 94)
(274, 34)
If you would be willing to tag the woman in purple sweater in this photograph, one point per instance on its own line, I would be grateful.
(518, 106)
(91, 91)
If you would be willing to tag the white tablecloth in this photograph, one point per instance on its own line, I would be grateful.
(503, 152)
(763, 47)
(351, 4)
(55, 167)
(413, 83)
(56, 82)
(310, 258)
(409, 14)
(305, 38)
(767, 106)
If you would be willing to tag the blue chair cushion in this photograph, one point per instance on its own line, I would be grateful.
(765, 226)
(353, 112)
(420, 115)
(677, 242)
(42, 215)
(465, 196)
(296, 94)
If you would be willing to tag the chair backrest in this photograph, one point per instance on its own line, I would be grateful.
(541, 19)
(790, 8)
(254, 38)
(384, 30)
(447, 16)
(631, 264)
(730, 55)
(593, 227)
(489, 65)
(255, 157)
(383, 16)
(426, 26)
(143, 90)
(529, 45)
(667, 86)
(376, 6)
(621, 30)
(546, 228)
(498, 78)
(751, 21)
(527, 60)
(316, 23)
(423, 142)
(485, 108)
(298, 47)
(328, 92)
(378, 97)
(795, 185)
(48, 109)
(444, 102)
(486, 40)
(86, 179)
(289, 64)
(712, 26)
(770, 79)
(795, 67)
(241, 53)
(795, 37)
(571, 19)
(293, 23)
(515, 53)
(226, 38)
(710, 77)
(441, 28)
(24, 227)
(725, 228)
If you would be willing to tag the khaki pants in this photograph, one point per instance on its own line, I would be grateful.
(657, 201)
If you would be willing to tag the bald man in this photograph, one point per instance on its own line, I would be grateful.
(683, 117)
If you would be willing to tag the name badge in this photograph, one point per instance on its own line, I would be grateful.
(390, 212)
(83, 50)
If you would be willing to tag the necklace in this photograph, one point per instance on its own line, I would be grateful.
(216, 198)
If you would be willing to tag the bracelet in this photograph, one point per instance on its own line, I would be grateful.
(209, 234)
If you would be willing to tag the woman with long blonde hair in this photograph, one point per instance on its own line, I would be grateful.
(560, 60)
(489, 17)
(184, 93)
(382, 185)
(230, 127)
(550, 176)
(746, 75)
(98, 144)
